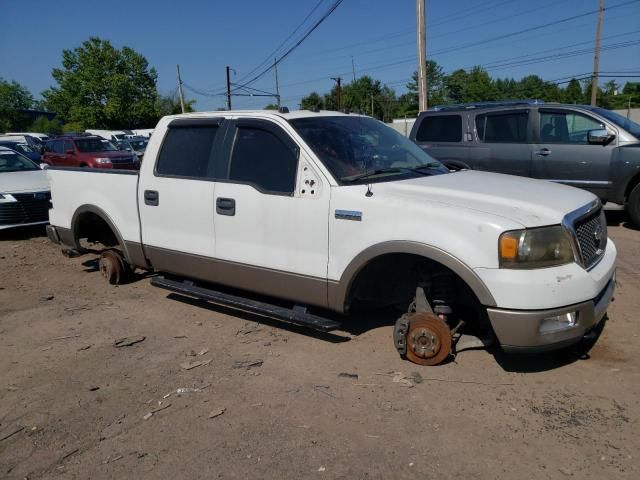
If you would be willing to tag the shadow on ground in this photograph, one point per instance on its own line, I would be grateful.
(23, 233)
(619, 218)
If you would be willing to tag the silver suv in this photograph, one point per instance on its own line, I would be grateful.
(583, 146)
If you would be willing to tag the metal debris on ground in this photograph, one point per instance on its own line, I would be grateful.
(192, 389)
(11, 432)
(398, 377)
(247, 363)
(128, 341)
(203, 351)
(110, 459)
(217, 413)
(66, 337)
(47, 298)
(197, 363)
(348, 375)
(150, 414)
(86, 347)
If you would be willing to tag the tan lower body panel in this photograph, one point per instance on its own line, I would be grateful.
(288, 286)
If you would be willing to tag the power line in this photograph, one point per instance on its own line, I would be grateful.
(326, 15)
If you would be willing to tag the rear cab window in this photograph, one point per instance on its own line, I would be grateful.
(503, 127)
(440, 128)
(188, 149)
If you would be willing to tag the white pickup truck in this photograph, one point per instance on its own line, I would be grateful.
(308, 213)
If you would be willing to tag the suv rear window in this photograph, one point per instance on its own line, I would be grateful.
(187, 151)
(503, 127)
(440, 128)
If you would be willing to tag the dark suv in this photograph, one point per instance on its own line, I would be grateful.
(583, 146)
(87, 151)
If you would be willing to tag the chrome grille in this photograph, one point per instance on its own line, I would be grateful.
(29, 208)
(591, 234)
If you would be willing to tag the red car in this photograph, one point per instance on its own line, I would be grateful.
(87, 151)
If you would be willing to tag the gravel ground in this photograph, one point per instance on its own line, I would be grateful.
(269, 401)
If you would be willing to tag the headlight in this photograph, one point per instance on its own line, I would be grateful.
(535, 248)
(103, 161)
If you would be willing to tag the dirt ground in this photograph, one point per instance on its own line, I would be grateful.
(274, 402)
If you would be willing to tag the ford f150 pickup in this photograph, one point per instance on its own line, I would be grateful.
(311, 212)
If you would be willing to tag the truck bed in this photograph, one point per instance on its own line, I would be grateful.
(112, 191)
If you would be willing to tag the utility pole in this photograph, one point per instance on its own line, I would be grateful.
(353, 67)
(422, 55)
(372, 104)
(596, 55)
(338, 80)
(228, 89)
(275, 66)
(180, 92)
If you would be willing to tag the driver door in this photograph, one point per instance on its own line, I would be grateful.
(562, 153)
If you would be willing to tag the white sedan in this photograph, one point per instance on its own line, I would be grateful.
(24, 191)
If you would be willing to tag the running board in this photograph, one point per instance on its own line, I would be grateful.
(296, 315)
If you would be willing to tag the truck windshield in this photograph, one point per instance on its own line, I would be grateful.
(361, 149)
(94, 145)
(14, 162)
(629, 125)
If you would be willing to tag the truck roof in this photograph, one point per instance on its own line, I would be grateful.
(265, 113)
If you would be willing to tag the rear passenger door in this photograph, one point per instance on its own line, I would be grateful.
(271, 219)
(503, 142)
(441, 136)
(563, 154)
(176, 200)
(54, 155)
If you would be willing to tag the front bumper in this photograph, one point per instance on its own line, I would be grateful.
(519, 330)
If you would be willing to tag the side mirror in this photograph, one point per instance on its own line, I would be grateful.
(600, 136)
(69, 152)
(44, 166)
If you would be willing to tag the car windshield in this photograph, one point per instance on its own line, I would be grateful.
(629, 125)
(18, 147)
(14, 162)
(94, 145)
(360, 149)
(138, 144)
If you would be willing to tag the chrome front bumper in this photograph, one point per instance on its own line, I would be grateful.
(519, 330)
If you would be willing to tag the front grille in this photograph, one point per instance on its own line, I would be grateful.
(122, 160)
(29, 208)
(591, 233)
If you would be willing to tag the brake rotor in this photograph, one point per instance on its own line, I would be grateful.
(428, 339)
(112, 267)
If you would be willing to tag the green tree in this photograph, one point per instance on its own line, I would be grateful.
(436, 89)
(573, 92)
(313, 100)
(13, 98)
(170, 105)
(271, 106)
(43, 125)
(101, 86)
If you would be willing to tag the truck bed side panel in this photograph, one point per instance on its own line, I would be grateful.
(113, 193)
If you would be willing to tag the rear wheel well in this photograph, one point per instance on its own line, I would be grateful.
(92, 228)
(391, 279)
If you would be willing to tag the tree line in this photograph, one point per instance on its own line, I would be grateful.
(100, 86)
(97, 86)
(370, 96)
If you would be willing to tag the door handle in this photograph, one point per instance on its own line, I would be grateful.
(543, 152)
(225, 206)
(151, 197)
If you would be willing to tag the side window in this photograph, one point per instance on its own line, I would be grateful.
(566, 127)
(67, 146)
(261, 158)
(503, 127)
(57, 146)
(48, 147)
(187, 151)
(440, 128)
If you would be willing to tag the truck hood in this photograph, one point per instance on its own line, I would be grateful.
(529, 202)
(29, 181)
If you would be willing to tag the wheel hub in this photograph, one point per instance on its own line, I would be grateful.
(428, 339)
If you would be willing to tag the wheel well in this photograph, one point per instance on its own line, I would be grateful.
(631, 185)
(391, 280)
(93, 228)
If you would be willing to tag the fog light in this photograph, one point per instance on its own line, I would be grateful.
(558, 322)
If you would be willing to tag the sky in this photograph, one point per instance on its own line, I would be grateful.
(372, 37)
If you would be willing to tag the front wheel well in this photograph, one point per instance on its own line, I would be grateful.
(630, 186)
(391, 280)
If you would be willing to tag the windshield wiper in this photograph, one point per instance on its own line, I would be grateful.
(427, 165)
(371, 173)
